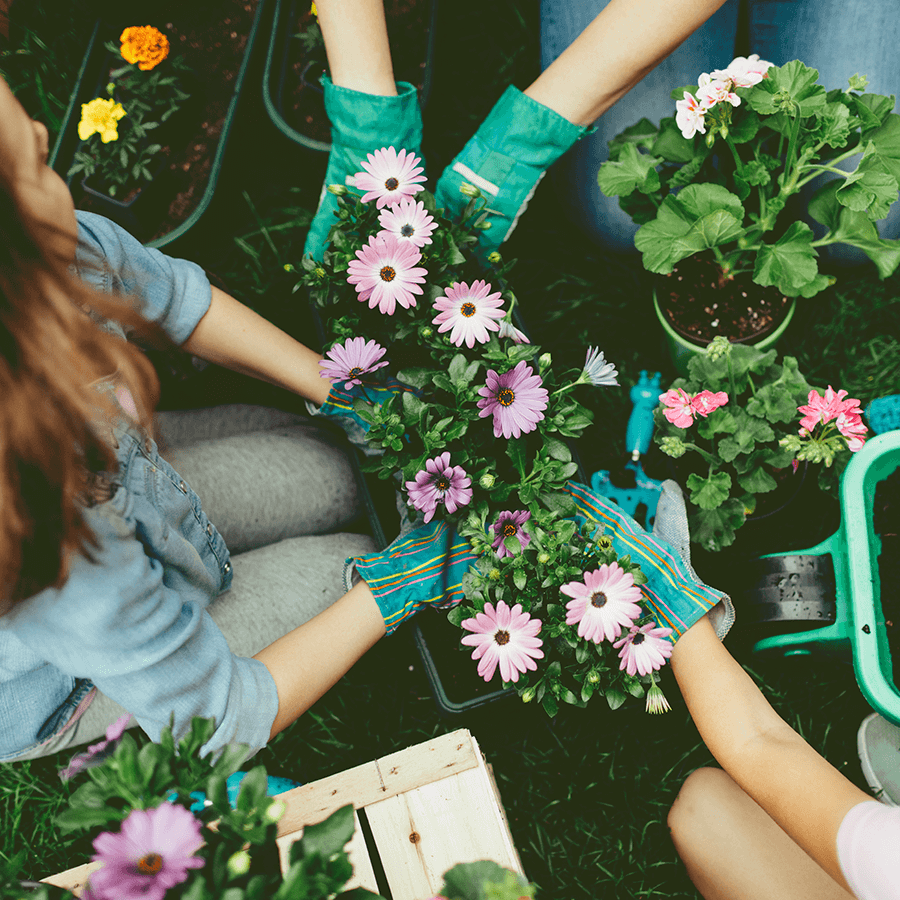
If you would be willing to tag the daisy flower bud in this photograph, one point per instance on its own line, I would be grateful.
(593, 676)
(337, 189)
(528, 695)
(494, 258)
(275, 810)
(469, 190)
(487, 481)
(239, 863)
(543, 557)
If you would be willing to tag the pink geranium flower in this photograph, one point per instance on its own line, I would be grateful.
(689, 116)
(825, 408)
(385, 273)
(389, 176)
(348, 361)
(603, 603)
(516, 400)
(644, 649)
(743, 71)
(468, 313)
(706, 401)
(851, 427)
(152, 852)
(711, 91)
(408, 221)
(509, 524)
(680, 412)
(438, 483)
(505, 637)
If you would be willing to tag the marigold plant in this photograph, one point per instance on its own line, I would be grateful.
(145, 45)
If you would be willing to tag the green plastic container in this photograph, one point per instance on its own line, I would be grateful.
(90, 76)
(859, 627)
(681, 349)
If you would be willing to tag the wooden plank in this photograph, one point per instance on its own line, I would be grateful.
(73, 879)
(383, 778)
(363, 872)
(427, 830)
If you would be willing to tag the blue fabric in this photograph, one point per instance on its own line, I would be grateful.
(837, 37)
(134, 621)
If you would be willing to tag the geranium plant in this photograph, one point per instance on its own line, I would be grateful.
(724, 175)
(163, 826)
(481, 439)
(144, 90)
(746, 421)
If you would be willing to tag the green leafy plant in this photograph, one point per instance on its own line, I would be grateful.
(724, 176)
(736, 420)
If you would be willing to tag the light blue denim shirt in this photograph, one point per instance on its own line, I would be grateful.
(134, 621)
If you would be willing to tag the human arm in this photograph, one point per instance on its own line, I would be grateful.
(800, 790)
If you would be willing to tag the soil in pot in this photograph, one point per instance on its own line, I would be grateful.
(700, 304)
(213, 46)
(886, 522)
(303, 105)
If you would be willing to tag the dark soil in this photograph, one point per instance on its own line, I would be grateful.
(700, 304)
(300, 99)
(213, 45)
(886, 521)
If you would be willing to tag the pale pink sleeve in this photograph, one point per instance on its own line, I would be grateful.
(868, 847)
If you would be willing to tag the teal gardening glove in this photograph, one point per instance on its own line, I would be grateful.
(360, 124)
(506, 159)
(673, 592)
(424, 567)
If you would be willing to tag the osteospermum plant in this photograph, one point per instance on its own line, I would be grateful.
(481, 439)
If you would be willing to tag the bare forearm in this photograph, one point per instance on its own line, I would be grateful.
(309, 660)
(356, 41)
(233, 336)
(799, 789)
(622, 44)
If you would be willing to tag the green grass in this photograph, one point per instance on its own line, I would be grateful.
(587, 793)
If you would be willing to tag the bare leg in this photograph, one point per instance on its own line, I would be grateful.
(733, 850)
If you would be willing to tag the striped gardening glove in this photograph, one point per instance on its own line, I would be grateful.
(422, 568)
(673, 591)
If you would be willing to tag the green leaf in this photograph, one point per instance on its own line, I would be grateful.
(887, 144)
(757, 481)
(673, 146)
(871, 188)
(415, 376)
(709, 492)
(777, 401)
(633, 171)
(856, 229)
(551, 707)
(713, 529)
(744, 126)
(557, 450)
(466, 881)
(797, 81)
(835, 125)
(515, 449)
(330, 837)
(642, 134)
(789, 263)
(615, 698)
(519, 577)
(873, 110)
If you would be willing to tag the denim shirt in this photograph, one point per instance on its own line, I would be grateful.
(134, 622)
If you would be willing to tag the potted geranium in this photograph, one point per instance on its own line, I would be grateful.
(740, 426)
(480, 440)
(119, 153)
(719, 193)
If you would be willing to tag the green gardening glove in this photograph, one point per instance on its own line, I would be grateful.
(673, 592)
(424, 567)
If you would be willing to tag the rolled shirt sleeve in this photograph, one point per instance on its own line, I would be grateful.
(153, 649)
(173, 293)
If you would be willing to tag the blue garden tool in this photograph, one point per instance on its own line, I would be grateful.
(274, 785)
(645, 490)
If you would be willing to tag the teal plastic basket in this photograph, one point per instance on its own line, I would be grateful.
(859, 626)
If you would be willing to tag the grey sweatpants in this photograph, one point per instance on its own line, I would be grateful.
(279, 488)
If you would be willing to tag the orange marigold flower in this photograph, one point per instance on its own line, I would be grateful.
(145, 45)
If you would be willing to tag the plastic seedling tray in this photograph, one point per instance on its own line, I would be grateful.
(91, 77)
(858, 627)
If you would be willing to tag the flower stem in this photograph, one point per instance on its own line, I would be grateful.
(707, 456)
(737, 160)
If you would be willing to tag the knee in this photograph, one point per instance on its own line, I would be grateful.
(697, 803)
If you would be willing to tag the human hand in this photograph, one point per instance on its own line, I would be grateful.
(673, 591)
(424, 567)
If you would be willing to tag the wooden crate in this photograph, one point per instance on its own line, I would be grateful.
(426, 808)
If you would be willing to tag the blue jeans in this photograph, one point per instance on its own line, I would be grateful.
(838, 37)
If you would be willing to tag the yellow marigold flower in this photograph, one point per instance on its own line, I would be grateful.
(100, 116)
(145, 45)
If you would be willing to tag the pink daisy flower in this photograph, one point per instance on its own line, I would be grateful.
(706, 401)
(505, 637)
(597, 370)
(385, 273)
(152, 852)
(509, 524)
(97, 753)
(408, 221)
(346, 362)
(516, 400)
(680, 412)
(438, 483)
(744, 71)
(603, 603)
(689, 116)
(508, 330)
(644, 649)
(389, 176)
(470, 312)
